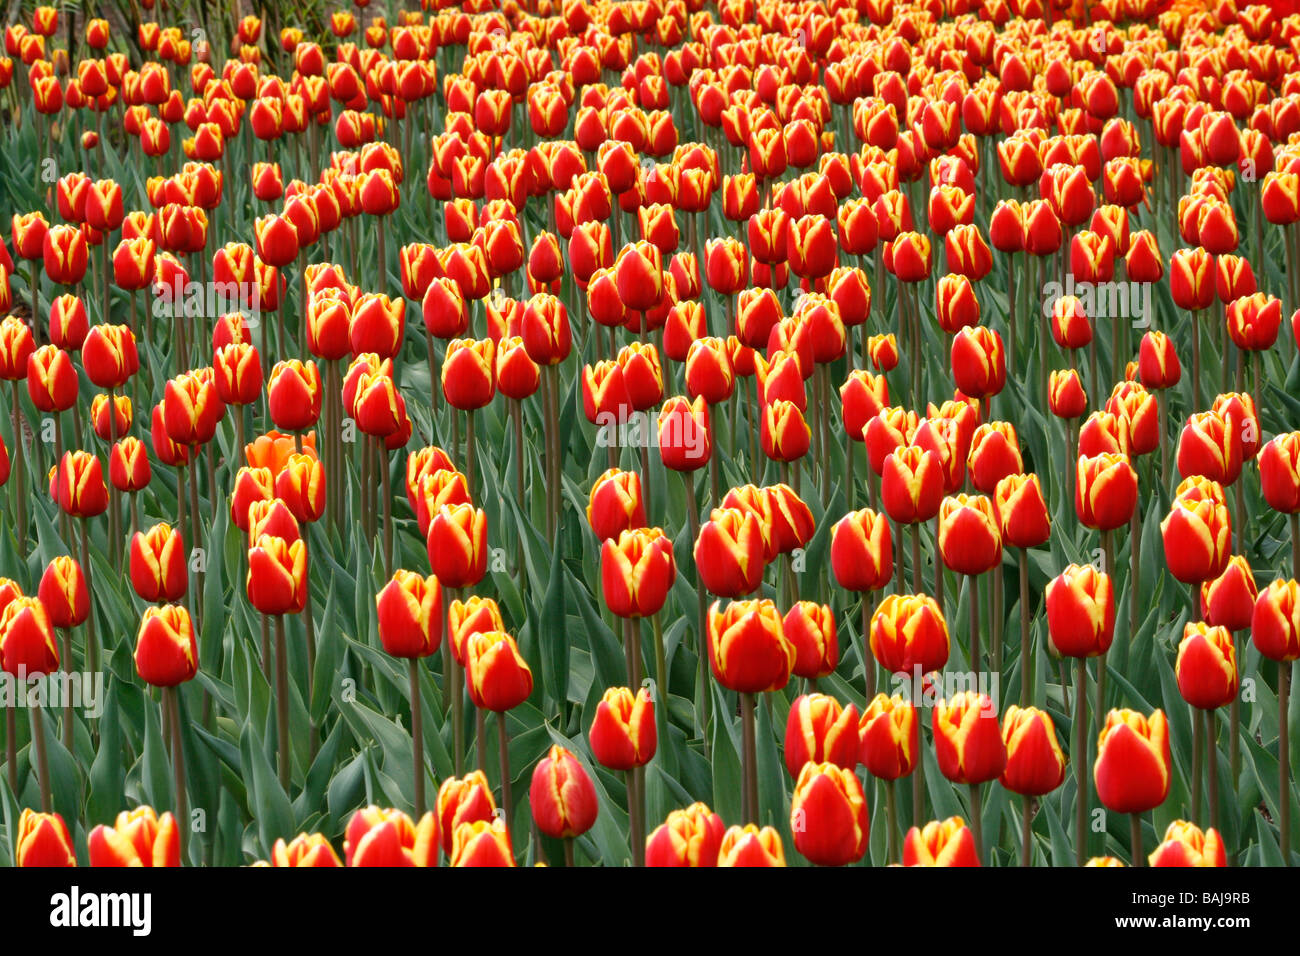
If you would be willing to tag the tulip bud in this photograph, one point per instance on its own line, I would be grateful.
(457, 545)
(1197, 537)
(562, 797)
(1132, 770)
(690, 837)
(157, 564)
(497, 677)
(277, 575)
(1206, 667)
(1035, 763)
(862, 552)
(137, 837)
(967, 739)
(909, 632)
(1185, 845)
(828, 815)
(63, 592)
(463, 800)
(748, 649)
(623, 733)
(946, 843)
(379, 837)
(1275, 623)
(750, 846)
(1080, 612)
(615, 504)
(1105, 491)
(410, 615)
(43, 840)
(166, 652)
(889, 737)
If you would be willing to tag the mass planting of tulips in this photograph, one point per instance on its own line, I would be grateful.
(655, 432)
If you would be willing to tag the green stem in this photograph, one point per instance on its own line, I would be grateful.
(417, 736)
(1080, 758)
(282, 701)
(749, 744)
(42, 757)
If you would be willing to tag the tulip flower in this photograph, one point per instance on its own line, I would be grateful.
(941, 843)
(690, 837)
(308, 850)
(157, 564)
(1185, 844)
(379, 837)
(828, 815)
(615, 504)
(1197, 536)
(750, 846)
(562, 797)
(43, 840)
(1132, 770)
(137, 837)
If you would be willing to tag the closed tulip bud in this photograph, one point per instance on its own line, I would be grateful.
(862, 397)
(157, 564)
(301, 486)
(623, 733)
(457, 545)
(810, 627)
(1238, 409)
(1186, 845)
(191, 409)
(970, 541)
(828, 815)
(110, 419)
(1280, 197)
(642, 374)
(940, 843)
(785, 434)
(615, 504)
(1105, 491)
(166, 652)
(1132, 769)
(51, 379)
(378, 325)
(684, 433)
(410, 615)
(967, 739)
(907, 632)
(1229, 599)
(1035, 763)
(137, 837)
(1253, 321)
(908, 257)
(1080, 612)
(27, 641)
(293, 395)
(729, 552)
(237, 370)
(994, 455)
(463, 800)
(637, 570)
(690, 837)
(1070, 326)
(562, 797)
(277, 575)
(545, 330)
(277, 240)
(379, 837)
(496, 674)
(1022, 511)
(748, 649)
(708, 370)
(1210, 445)
(639, 274)
(79, 485)
(69, 325)
(65, 254)
(109, 356)
(1197, 537)
(1191, 278)
(467, 373)
(955, 304)
(306, 850)
(889, 737)
(128, 465)
(1275, 623)
(1137, 407)
(1206, 667)
(819, 731)
(978, 361)
(43, 841)
(883, 350)
(750, 846)
(862, 551)
(517, 375)
(1279, 472)
(1066, 397)
(63, 592)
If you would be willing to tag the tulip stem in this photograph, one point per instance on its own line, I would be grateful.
(1198, 763)
(68, 717)
(976, 662)
(172, 707)
(386, 480)
(749, 743)
(916, 557)
(456, 691)
(503, 747)
(1026, 830)
(1212, 760)
(1080, 758)
(868, 657)
(635, 817)
(480, 738)
(1026, 653)
(995, 613)
(469, 450)
(977, 823)
(92, 644)
(702, 639)
(11, 749)
(516, 415)
(568, 853)
(1135, 838)
(1108, 566)
(282, 700)
(1294, 521)
(19, 467)
(661, 664)
(1196, 360)
(417, 736)
(891, 803)
(195, 522)
(1284, 758)
(42, 757)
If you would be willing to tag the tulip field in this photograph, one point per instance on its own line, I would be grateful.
(650, 433)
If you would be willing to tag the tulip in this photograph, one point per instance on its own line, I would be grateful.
(810, 627)
(410, 615)
(1197, 537)
(690, 837)
(137, 837)
(828, 815)
(862, 552)
(379, 837)
(970, 541)
(911, 485)
(1035, 763)
(293, 395)
(1080, 612)
(615, 504)
(166, 652)
(748, 650)
(1132, 770)
(63, 593)
(463, 800)
(457, 545)
(497, 676)
(729, 553)
(1105, 491)
(562, 797)
(1185, 844)
(43, 840)
(481, 844)
(750, 846)
(1206, 667)
(941, 843)
(684, 433)
(308, 850)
